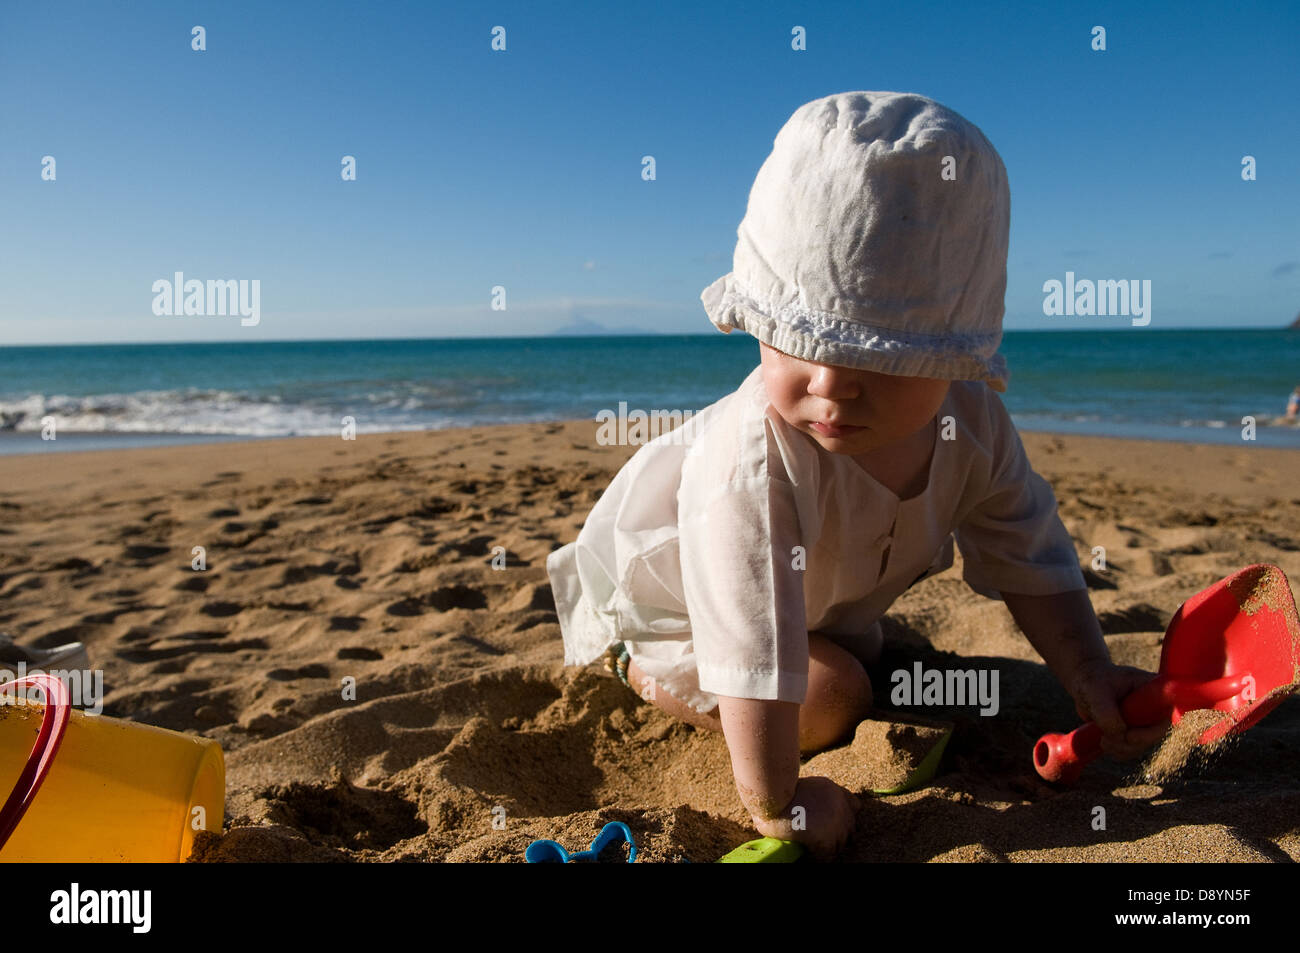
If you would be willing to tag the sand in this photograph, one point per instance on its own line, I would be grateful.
(373, 560)
(1182, 746)
(883, 755)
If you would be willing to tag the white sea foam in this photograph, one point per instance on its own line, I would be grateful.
(219, 412)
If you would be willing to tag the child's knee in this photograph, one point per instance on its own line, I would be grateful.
(837, 682)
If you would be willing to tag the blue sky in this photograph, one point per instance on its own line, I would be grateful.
(522, 168)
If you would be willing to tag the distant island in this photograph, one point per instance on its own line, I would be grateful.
(1295, 325)
(582, 326)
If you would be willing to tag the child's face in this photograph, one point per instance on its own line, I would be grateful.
(885, 408)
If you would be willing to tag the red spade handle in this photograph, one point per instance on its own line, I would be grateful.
(1063, 757)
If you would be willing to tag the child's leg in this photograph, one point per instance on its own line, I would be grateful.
(641, 684)
(839, 696)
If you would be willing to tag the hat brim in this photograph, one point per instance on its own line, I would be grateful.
(827, 339)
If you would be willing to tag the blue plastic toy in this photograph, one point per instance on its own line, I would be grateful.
(549, 852)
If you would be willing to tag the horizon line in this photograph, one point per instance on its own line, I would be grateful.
(553, 336)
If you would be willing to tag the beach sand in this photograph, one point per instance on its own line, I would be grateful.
(468, 739)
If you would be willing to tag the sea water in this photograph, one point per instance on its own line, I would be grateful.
(1194, 385)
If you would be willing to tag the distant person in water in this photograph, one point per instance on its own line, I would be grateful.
(1293, 404)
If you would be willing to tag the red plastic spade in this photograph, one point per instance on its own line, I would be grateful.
(1234, 647)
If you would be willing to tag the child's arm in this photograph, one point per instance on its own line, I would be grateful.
(763, 738)
(1064, 630)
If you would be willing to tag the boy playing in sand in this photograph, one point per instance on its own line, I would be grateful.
(740, 573)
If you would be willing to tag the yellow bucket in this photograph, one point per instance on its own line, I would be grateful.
(115, 791)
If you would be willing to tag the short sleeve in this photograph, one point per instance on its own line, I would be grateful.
(744, 592)
(1013, 540)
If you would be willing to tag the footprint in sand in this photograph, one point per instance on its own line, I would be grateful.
(292, 674)
(1274, 540)
(456, 597)
(434, 507)
(215, 648)
(406, 607)
(474, 546)
(340, 566)
(144, 552)
(81, 567)
(532, 596)
(444, 599)
(244, 565)
(110, 616)
(360, 654)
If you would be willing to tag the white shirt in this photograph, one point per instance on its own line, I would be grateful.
(692, 554)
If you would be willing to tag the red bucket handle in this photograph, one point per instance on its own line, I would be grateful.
(58, 710)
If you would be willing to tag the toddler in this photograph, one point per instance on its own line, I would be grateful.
(739, 569)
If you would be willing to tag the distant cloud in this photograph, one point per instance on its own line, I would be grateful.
(1220, 254)
(589, 265)
(1285, 268)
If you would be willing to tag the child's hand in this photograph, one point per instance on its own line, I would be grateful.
(828, 818)
(1098, 687)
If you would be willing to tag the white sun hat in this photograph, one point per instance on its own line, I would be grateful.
(875, 238)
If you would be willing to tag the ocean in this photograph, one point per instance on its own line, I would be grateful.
(1193, 385)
